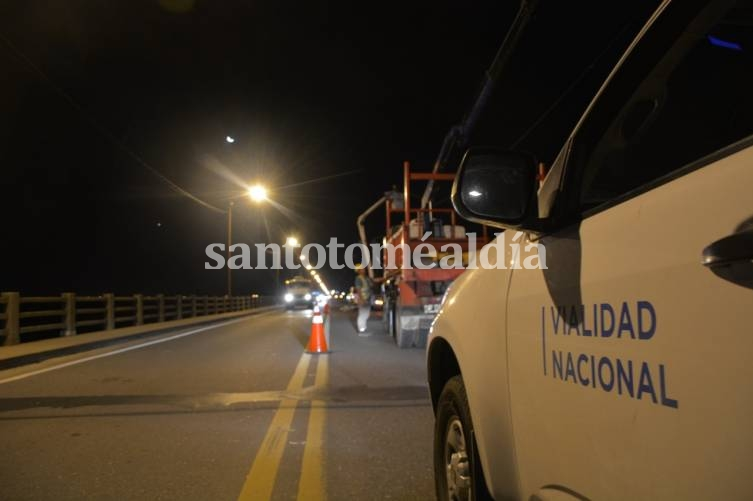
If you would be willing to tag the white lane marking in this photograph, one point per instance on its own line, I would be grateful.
(122, 350)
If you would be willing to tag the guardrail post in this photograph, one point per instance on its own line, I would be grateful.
(69, 314)
(206, 305)
(193, 305)
(109, 311)
(12, 305)
(179, 307)
(160, 307)
(139, 308)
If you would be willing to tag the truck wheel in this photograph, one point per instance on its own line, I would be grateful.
(387, 317)
(422, 337)
(404, 338)
(457, 468)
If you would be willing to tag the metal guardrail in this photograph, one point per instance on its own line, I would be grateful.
(67, 314)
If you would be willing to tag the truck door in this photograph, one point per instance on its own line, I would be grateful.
(630, 356)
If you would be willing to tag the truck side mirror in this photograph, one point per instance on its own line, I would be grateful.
(495, 187)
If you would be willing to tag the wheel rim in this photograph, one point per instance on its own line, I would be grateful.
(457, 467)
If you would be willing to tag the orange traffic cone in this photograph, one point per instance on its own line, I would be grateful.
(317, 341)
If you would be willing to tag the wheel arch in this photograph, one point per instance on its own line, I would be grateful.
(495, 448)
(442, 365)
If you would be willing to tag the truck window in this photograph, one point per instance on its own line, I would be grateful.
(691, 102)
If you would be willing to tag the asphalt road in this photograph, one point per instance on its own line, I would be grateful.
(230, 411)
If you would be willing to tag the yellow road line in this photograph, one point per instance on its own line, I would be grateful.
(261, 478)
(311, 484)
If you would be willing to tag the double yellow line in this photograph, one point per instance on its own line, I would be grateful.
(260, 480)
(311, 484)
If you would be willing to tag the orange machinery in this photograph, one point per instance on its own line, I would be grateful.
(412, 295)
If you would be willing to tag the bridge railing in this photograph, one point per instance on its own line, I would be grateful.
(27, 318)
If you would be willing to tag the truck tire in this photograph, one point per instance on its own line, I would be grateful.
(388, 318)
(422, 337)
(457, 467)
(404, 338)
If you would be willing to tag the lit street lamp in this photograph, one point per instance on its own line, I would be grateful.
(292, 242)
(257, 193)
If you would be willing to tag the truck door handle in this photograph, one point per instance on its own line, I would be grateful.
(728, 250)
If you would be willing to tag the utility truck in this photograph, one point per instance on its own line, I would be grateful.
(413, 288)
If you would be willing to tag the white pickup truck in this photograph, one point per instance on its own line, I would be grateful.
(624, 369)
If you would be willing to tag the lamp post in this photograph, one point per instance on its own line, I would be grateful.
(229, 243)
(258, 194)
(289, 242)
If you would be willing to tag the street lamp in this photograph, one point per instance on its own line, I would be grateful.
(257, 193)
(229, 139)
(292, 242)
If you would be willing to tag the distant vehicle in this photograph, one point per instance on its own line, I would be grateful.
(299, 292)
(623, 370)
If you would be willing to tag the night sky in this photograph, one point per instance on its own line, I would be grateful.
(95, 96)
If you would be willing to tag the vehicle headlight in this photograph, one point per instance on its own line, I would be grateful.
(307, 297)
(288, 297)
(379, 301)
